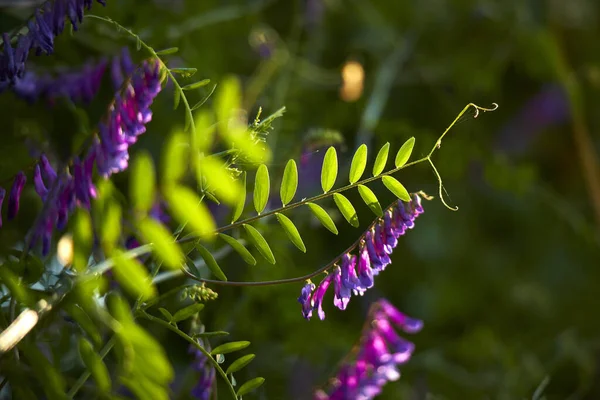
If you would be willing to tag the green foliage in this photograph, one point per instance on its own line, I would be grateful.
(239, 248)
(346, 208)
(323, 217)
(404, 152)
(142, 182)
(261, 188)
(359, 163)
(214, 176)
(396, 188)
(370, 200)
(240, 363)
(162, 242)
(187, 312)
(291, 231)
(95, 365)
(241, 201)
(210, 261)
(260, 243)
(249, 386)
(82, 239)
(130, 273)
(289, 183)
(329, 170)
(381, 159)
(230, 347)
(188, 209)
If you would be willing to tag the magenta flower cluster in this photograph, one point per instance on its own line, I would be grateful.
(380, 353)
(354, 274)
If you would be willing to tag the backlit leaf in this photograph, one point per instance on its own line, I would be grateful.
(132, 275)
(329, 170)
(141, 182)
(163, 245)
(261, 188)
(323, 217)
(111, 226)
(346, 208)
(260, 243)
(249, 386)
(95, 365)
(381, 159)
(289, 183)
(359, 163)
(170, 50)
(241, 201)
(396, 187)
(82, 239)
(176, 98)
(240, 363)
(291, 231)
(196, 85)
(370, 200)
(175, 158)
(230, 347)
(404, 152)
(187, 207)
(185, 72)
(211, 263)
(239, 248)
(188, 312)
(214, 172)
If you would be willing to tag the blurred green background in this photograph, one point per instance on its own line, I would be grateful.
(507, 286)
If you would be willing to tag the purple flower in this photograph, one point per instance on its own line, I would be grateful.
(14, 197)
(203, 388)
(342, 293)
(319, 294)
(2, 195)
(306, 299)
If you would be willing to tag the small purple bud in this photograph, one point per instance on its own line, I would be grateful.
(38, 183)
(15, 195)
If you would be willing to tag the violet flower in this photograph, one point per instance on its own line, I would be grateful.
(377, 359)
(203, 388)
(14, 198)
(355, 273)
(2, 194)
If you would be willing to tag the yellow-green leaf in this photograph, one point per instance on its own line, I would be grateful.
(218, 179)
(162, 241)
(289, 183)
(260, 243)
(323, 217)
(249, 386)
(187, 312)
(396, 187)
(175, 158)
(133, 276)
(211, 263)
(240, 363)
(291, 231)
(95, 365)
(346, 208)
(203, 136)
(170, 50)
(370, 200)
(404, 152)
(261, 188)
(359, 163)
(230, 347)
(141, 182)
(187, 207)
(111, 226)
(82, 239)
(241, 201)
(239, 248)
(196, 85)
(329, 170)
(381, 159)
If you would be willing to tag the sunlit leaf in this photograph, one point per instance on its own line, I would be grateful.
(163, 245)
(260, 243)
(404, 152)
(187, 312)
(175, 158)
(230, 347)
(211, 263)
(381, 159)
(185, 72)
(141, 182)
(228, 100)
(95, 365)
(170, 50)
(370, 200)
(132, 275)
(289, 183)
(111, 226)
(83, 237)
(329, 170)
(238, 209)
(196, 85)
(323, 217)
(291, 231)
(187, 207)
(249, 386)
(346, 208)
(203, 136)
(261, 188)
(218, 179)
(239, 248)
(359, 163)
(396, 187)
(239, 363)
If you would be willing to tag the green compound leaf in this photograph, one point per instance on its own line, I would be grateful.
(329, 170)
(381, 159)
(404, 152)
(215, 175)
(196, 85)
(163, 245)
(133, 276)
(346, 208)
(260, 243)
(95, 365)
(239, 206)
(249, 386)
(239, 248)
(211, 263)
(359, 163)
(240, 363)
(187, 312)
(142, 182)
(230, 347)
(291, 231)
(370, 200)
(187, 207)
(396, 187)
(165, 313)
(323, 217)
(261, 188)
(289, 184)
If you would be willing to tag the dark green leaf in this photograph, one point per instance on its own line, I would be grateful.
(141, 182)
(289, 183)
(82, 239)
(261, 188)
(188, 312)
(185, 72)
(170, 50)
(176, 98)
(210, 334)
(370, 200)
(187, 207)
(291, 231)
(211, 263)
(249, 386)
(381, 159)
(53, 382)
(239, 206)
(404, 152)
(260, 243)
(240, 363)
(323, 217)
(359, 163)
(396, 187)
(84, 321)
(239, 248)
(95, 365)
(196, 85)
(230, 347)
(329, 170)
(166, 314)
(346, 209)
(163, 245)
(130, 273)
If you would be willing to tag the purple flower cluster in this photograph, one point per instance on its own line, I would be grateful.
(354, 273)
(74, 187)
(49, 22)
(380, 353)
(203, 388)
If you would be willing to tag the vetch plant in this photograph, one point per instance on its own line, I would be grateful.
(219, 157)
